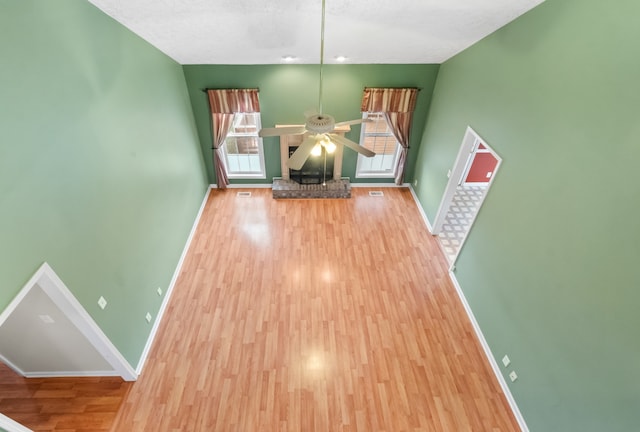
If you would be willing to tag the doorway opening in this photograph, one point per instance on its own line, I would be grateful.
(469, 181)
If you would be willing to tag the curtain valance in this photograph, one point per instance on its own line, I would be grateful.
(389, 99)
(229, 101)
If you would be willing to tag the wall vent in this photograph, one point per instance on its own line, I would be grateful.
(376, 193)
(244, 194)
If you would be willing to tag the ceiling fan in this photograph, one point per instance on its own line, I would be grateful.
(319, 126)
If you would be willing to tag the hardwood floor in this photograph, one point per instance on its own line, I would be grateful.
(61, 404)
(312, 315)
(315, 315)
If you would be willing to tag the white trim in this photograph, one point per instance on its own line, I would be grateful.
(246, 177)
(11, 425)
(56, 374)
(376, 174)
(421, 210)
(248, 186)
(53, 286)
(176, 273)
(487, 351)
(60, 295)
(7, 362)
(242, 174)
(391, 173)
(380, 185)
(464, 160)
(459, 166)
(71, 374)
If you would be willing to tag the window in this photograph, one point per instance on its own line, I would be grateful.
(377, 137)
(243, 154)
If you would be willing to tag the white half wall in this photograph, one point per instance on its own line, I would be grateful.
(11, 426)
(45, 332)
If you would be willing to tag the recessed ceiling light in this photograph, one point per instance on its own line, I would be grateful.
(341, 59)
(288, 59)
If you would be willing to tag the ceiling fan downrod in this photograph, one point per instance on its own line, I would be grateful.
(321, 58)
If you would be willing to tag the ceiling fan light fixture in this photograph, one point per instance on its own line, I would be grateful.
(317, 149)
(329, 146)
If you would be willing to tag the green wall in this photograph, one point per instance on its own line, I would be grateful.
(101, 174)
(551, 266)
(287, 91)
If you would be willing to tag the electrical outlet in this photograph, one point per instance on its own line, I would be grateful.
(159, 291)
(148, 317)
(448, 173)
(513, 376)
(102, 302)
(415, 182)
(506, 361)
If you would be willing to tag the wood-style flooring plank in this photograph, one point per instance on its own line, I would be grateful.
(61, 404)
(315, 315)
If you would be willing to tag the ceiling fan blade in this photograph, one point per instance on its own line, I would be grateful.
(338, 139)
(300, 156)
(288, 130)
(350, 122)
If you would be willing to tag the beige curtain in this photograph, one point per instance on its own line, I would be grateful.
(398, 105)
(223, 104)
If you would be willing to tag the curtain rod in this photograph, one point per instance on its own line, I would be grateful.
(204, 90)
(394, 88)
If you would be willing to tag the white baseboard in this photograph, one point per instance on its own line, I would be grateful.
(71, 374)
(56, 374)
(247, 186)
(11, 366)
(422, 213)
(176, 273)
(489, 355)
(379, 185)
(12, 426)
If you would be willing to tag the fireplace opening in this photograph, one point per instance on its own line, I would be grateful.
(314, 170)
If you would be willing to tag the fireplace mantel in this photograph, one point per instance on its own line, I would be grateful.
(287, 141)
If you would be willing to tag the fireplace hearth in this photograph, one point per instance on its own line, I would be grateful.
(331, 189)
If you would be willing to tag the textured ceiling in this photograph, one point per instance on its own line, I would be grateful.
(263, 31)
